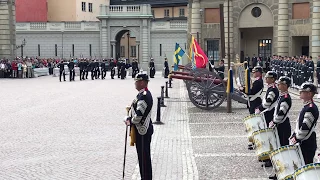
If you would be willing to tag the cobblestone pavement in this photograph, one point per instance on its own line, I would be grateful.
(66, 131)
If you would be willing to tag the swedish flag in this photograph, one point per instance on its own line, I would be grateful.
(178, 53)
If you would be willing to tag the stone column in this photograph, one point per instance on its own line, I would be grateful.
(225, 13)
(104, 38)
(283, 28)
(7, 29)
(315, 30)
(144, 38)
(196, 19)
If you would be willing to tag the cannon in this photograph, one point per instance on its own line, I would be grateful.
(206, 90)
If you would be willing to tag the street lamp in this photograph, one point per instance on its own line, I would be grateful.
(23, 43)
(128, 44)
(201, 21)
(229, 106)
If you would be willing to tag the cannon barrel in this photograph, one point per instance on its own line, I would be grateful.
(197, 79)
(181, 73)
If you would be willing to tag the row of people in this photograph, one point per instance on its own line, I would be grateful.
(275, 106)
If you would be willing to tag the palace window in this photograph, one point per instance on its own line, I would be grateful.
(72, 50)
(39, 50)
(181, 13)
(160, 49)
(90, 50)
(212, 15)
(133, 51)
(122, 51)
(56, 50)
(83, 6)
(301, 10)
(264, 47)
(90, 7)
(166, 13)
(213, 49)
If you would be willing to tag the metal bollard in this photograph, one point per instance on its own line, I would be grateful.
(170, 83)
(166, 93)
(162, 97)
(158, 121)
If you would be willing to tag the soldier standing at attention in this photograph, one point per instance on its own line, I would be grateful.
(305, 133)
(92, 68)
(71, 71)
(123, 70)
(97, 69)
(119, 67)
(61, 71)
(81, 69)
(166, 68)
(86, 68)
(318, 70)
(140, 118)
(112, 67)
(152, 68)
(103, 69)
(135, 68)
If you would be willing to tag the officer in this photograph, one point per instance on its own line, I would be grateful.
(61, 71)
(305, 133)
(103, 69)
(119, 67)
(318, 70)
(135, 68)
(92, 68)
(152, 68)
(112, 67)
(140, 118)
(254, 99)
(97, 69)
(71, 70)
(123, 70)
(81, 69)
(86, 68)
(166, 68)
(280, 119)
(220, 69)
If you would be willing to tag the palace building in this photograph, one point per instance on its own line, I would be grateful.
(258, 27)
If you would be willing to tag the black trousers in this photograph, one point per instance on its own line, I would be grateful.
(152, 72)
(308, 148)
(87, 72)
(144, 154)
(113, 72)
(62, 73)
(82, 72)
(254, 104)
(97, 73)
(166, 73)
(92, 74)
(284, 132)
(123, 73)
(318, 77)
(268, 116)
(71, 75)
(134, 72)
(103, 73)
(119, 72)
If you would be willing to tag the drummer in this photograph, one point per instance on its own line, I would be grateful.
(305, 129)
(254, 99)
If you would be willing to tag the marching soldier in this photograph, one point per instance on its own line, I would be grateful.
(135, 68)
(166, 68)
(123, 70)
(92, 69)
(140, 118)
(254, 99)
(221, 69)
(103, 69)
(280, 119)
(86, 68)
(152, 68)
(119, 67)
(318, 70)
(305, 133)
(112, 67)
(61, 71)
(81, 69)
(97, 69)
(71, 71)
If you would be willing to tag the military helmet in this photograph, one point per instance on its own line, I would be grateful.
(308, 87)
(257, 69)
(285, 80)
(271, 74)
(141, 77)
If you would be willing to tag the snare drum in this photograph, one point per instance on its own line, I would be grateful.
(286, 160)
(254, 123)
(308, 172)
(265, 141)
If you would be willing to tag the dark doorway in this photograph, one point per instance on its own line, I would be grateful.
(120, 50)
(305, 50)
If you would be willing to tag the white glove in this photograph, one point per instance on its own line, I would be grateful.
(257, 111)
(272, 124)
(292, 141)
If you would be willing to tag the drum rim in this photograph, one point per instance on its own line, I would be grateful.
(251, 116)
(282, 148)
(263, 130)
(305, 168)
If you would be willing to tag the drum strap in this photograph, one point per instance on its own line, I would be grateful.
(273, 105)
(310, 132)
(253, 97)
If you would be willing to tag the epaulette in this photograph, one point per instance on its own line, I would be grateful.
(286, 96)
(144, 93)
(311, 104)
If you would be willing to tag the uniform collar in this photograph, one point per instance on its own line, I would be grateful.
(271, 85)
(308, 102)
(283, 93)
(257, 78)
(143, 90)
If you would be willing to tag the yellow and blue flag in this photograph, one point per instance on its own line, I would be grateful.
(178, 53)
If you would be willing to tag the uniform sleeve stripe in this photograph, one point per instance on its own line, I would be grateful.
(284, 107)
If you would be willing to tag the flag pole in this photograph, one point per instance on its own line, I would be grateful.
(229, 108)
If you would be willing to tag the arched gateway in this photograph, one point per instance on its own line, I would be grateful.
(131, 22)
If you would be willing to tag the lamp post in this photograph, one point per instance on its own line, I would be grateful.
(128, 44)
(229, 107)
(23, 43)
(201, 21)
(62, 43)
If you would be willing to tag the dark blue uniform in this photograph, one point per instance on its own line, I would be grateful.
(305, 131)
(269, 102)
(140, 114)
(281, 118)
(254, 95)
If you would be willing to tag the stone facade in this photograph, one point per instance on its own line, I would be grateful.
(275, 20)
(74, 39)
(7, 29)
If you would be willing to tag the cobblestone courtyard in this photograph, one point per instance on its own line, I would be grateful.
(74, 131)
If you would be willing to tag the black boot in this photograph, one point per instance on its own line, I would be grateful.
(267, 163)
(274, 177)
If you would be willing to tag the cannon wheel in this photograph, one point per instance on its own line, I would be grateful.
(204, 94)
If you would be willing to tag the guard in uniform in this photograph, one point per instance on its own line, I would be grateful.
(152, 68)
(318, 71)
(280, 119)
(135, 68)
(86, 68)
(119, 67)
(220, 69)
(103, 69)
(112, 67)
(92, 68)
(97, 69)
(254, 99)
(61, 71)
(81, 69)
(305, 133)
(71, 71)
(140, 118)
(123, 70)
(166, 68)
